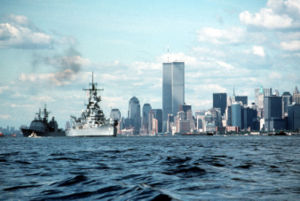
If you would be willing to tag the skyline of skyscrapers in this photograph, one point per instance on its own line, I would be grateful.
(270, 111)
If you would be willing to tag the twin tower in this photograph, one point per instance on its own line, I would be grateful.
(172, 89)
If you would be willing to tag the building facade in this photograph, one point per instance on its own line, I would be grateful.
(273, 113)
(236, 115)
(286, 101)
(172, 89)
(243, 99)
(155, 121)
(220, 101)
(145, 118)
(294, 117)
(134, 114)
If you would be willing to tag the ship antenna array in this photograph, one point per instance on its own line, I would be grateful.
(93, 85)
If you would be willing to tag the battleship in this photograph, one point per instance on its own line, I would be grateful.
(41, 127)
(92, 122)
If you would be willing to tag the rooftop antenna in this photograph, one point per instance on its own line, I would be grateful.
(233, 92)
(168, 50)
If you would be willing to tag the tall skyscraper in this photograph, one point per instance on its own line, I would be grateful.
(145, 117)
(134, 114)
(220, 101)
(177, 86)
(172, 89)
(236, 115)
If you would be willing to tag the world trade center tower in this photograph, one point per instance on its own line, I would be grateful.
(173, 89)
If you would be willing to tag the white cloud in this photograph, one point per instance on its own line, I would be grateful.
(285, 6)
(17, 33)
(293, 45)
(275, 75)
(221, 36)
(209, 87)
(59, 78)
(13, 105)
(3, 88)
(278, 14)
(5, 116)
(258, 50)
(266, 18)
(225, 65)
(171, 57)
(43, 99)
(19, 19)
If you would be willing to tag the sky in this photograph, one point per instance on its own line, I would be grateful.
(48, 50)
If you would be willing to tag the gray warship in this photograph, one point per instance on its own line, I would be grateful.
(92, 122)
(41, 127)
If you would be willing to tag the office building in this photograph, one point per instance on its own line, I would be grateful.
(260, 93)
(294, 117)
(273, 113)
(236, 115)
(286, 101)
(145, 118)
(250, 120)
(134, 114)
(155, 121)
(296, 96)
(172, 89)
(220, 101)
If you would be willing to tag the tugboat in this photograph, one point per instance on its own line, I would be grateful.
(41, 127)
(92, 122)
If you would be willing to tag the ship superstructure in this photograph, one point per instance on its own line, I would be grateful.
(40, 126)
(92, 121)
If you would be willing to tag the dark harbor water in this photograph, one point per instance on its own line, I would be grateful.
(151, 168)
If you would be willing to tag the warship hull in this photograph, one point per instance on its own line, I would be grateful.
(103, 131)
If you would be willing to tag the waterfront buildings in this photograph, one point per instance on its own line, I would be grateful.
(184, 120)
(172, 89)
(279, 113)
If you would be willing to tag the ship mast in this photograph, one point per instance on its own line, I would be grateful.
(94, 88)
